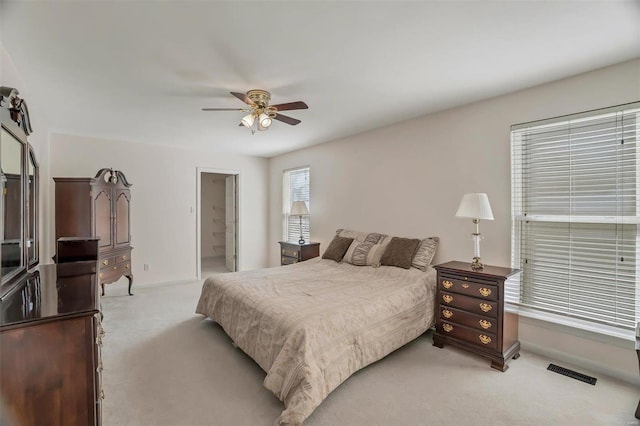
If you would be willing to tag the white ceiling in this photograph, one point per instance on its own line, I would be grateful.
(140, 71)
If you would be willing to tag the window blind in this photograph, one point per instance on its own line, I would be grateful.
(575, 215)
(295, 188)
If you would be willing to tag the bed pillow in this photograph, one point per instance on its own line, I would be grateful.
(360, 252)
(356, 235)
(400, 252)
(378, 250)
(337, 248)
(424, 253)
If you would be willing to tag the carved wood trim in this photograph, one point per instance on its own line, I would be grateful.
(17, 106)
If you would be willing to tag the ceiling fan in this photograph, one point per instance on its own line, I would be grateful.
(260, 112)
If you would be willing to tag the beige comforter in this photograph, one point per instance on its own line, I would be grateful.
(313, 324)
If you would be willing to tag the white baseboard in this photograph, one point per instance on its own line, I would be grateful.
(581, 362)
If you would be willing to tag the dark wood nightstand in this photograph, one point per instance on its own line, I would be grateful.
(471, 312)
(294, 252)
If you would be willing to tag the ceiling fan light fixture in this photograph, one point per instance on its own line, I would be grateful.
(248, 120)
(264, 120)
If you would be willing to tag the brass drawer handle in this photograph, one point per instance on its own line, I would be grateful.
(447, 313)
(484, 291)
(447, 284)
(447, 298)
(124, 257)
(115, 267)
(484, 324)
(465, 285)
(484, 339)
(485, 307)
(105, 262)
(447, 327)
(126, 266)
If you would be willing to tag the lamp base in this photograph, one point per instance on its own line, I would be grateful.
(476, 264)
(301, 241)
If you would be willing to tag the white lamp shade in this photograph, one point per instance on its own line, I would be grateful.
(248, 120)
(264, 120)
(299, 208)
(475, 205)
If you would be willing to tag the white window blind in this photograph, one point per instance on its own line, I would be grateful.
(575, 215)
(295, 188)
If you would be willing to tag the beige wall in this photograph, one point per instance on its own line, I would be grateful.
(163, 211)
(407, 180)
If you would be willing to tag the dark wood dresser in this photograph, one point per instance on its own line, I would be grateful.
(50, 339)
(98, 207)
(293, 252)
(471, 312)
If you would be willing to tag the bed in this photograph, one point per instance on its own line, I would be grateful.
(311, 325)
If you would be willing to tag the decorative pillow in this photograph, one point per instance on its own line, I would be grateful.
(400, 252)
(425, 252)
(356, 235)
(337, 248)
(359, 251)
(377, 251)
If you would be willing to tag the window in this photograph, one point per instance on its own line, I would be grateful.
(575, 216)
(295, 188)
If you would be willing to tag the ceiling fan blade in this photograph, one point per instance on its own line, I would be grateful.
(287, 119)
(244, 98)
(290, 106)
(222, 109)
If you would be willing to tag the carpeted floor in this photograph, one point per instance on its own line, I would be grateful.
(166, 366)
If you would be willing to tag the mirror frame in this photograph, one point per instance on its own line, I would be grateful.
(14, 118)
(35, 207)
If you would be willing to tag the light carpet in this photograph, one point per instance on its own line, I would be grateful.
(164, 365)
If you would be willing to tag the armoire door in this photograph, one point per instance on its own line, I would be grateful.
(102, 217)
(121, 221)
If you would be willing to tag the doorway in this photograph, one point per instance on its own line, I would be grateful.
(217, 222)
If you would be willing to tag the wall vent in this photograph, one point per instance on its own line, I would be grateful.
(572, 374)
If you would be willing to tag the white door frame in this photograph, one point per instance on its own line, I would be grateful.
(199, 172)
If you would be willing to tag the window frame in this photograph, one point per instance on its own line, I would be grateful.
(514, 295)
(287, 201)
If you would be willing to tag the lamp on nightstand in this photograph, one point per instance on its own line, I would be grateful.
(299, 208)
(476, 206)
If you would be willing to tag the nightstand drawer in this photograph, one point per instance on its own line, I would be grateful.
(291, 252)
(480, 338)
(470, 304)
(485, 290)
(286, 260)
(483, 323)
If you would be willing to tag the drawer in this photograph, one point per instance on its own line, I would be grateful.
(484, 290)
(107, 261)
(123, 257)
(115, 271)
(470, 335)
(291, 252)
(483, 323)
(474, 305)
(286, 260)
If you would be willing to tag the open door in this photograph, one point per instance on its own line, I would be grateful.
(230, 223)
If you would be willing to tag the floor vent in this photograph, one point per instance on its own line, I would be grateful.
(572, 374)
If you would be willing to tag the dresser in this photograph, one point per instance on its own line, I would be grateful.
(98, 207)
(471, 312)
(293, 252)
(50, 347)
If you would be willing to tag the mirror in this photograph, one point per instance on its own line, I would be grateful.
(32, 209)
(19, 191)
(11, 165)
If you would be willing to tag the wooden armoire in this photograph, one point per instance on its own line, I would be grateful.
(98, 207)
